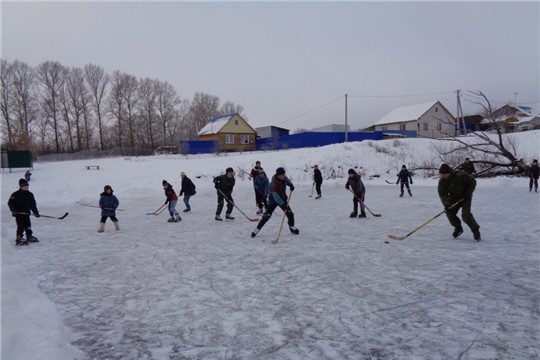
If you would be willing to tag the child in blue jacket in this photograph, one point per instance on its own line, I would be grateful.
(108, 204)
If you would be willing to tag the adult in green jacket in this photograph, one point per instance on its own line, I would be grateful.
(454, 186)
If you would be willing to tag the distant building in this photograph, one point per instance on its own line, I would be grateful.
(510, 118)
(332, 128)
(231, 132)
(271, 132)
(429, 120)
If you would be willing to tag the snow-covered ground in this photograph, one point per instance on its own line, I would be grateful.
(204, 289)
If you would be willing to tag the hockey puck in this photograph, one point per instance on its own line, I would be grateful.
(386, 242)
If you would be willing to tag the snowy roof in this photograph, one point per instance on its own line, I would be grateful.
(406, 113)
(215, 125)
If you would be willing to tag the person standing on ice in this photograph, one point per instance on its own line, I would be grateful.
(534, 173)
(27, 175)
(261, 190)
(468, 167)
(108, 203)
(278, 197)
(254, 175)
(21, 204)
(317, 180)
(354, 182)
(187, 189)
(224, 185)
(172, 199)
(404, 176)
(455, 185)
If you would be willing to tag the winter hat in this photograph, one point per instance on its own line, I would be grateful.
(182, 174)
(445, 169)
(261, 172)
(107, 187)
(280, 171)
(23, 182)
(229, 169)
(403, 167)
(164, 182)
(351, 171)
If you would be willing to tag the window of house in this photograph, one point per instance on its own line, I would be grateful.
(439, 126)
(229, 139)
(236, 122)
(244, 139)
(436, 109)
(385, 127)
(425, 126)
(403, 127)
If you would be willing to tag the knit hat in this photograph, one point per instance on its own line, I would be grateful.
(351, 171)
(182, 174)
(280, 171)
(403, 167)
(164, 182)
(445, 169)
(229, 169)
(261, 172)
(23, 182)
(107, 187)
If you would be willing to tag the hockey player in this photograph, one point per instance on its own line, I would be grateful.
(455, 185)
(224, 185)
(27, 175)
(187, 189)
(108, 204)
(404, 176)
(172, 199)
(21, 204)
(354, 182)
(261, 190)
(534, 173)
(254, 175)
(468, 167)
(317, 180)
(278, 197)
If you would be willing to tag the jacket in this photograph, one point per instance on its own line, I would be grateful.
(404, 176)
(188, 187)
(468, 168)
(170, 194)
(317, 176)
(108, 204)
(22, 201)
(356, 185)
(224, 183)
(255, 172)
(534, 171)
(278, 191)
(262, 184)
(458, 186)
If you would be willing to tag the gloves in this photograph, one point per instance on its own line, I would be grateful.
(397, 182)
(216, 186)
(166, 202)
(446, 207)
(37, 215)
(411, 182)
(292, 187)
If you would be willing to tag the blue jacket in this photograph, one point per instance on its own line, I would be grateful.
(108, 204)
(404, 176)
(278, 191)
(262, 184)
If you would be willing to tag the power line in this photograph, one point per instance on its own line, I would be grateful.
(307, 112)
(388, 96)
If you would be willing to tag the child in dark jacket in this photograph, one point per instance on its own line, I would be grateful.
(172, 199)
(262, 186)
(317, 180)
(404, 176)
(357, 186)
(108, 204)
(21, 204)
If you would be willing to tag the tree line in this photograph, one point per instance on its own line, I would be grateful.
(53, 108)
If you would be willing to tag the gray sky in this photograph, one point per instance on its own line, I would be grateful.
(282, 60)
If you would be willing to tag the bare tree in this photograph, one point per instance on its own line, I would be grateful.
(147, 108)
(5, 100)
(25, 109)
(230, 108)
(495, 151)
(203, 109)
(51, 76)
(167, 100)
(97, 81)
(131, 97)
(116, 102)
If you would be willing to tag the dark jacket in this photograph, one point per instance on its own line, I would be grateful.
(458, 186)
(356, 185)
(108, 204)
(468, 168)
(27, 175)
(170, 194)
(262, 184)
(224, 183)
(22, 201)
(278, 191)
(188, 187)
(404, 176)
(534, 171)
(255, 172)
(317, 176)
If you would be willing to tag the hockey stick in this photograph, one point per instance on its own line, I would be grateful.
(266, 202)
(95, 206)
(391, 183)
(363, 203)
(245, 172)
(156, 212)
(283, 219)
(45, 216)
(230, 202)
(312, 186)
(393, 237)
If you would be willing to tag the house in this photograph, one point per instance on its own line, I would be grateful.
(332, 128)
(231, 132)
(271, 132)
(509, 118)
(429, 120)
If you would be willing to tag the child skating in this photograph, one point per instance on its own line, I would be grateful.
(108, 203)
(22, 204)
(404, 176)
(172, 199)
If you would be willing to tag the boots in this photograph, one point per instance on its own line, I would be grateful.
(187, 209)
(177, 218)
(410, 193)
(101, 227)
(318, 196)
(116, 225)
(401, 195)
(255, 232)
(20, 241)
(476, 235)
(218, 218)
(171, 219)
(294, 230)
(362, 214)
(260, 211)
(353, 214)
(457, 231)
(228, 216)
(32, 239)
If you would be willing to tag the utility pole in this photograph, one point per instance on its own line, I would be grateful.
(515, 99)
(346, 135)
(460, 118)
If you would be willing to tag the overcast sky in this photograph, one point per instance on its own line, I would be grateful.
(282, 60)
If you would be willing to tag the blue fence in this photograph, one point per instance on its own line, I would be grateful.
(198, 147)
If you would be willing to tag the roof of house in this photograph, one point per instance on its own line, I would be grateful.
(215, 125)
(406, 113)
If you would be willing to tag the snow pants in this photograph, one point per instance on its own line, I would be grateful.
(23, 225)
(318, 187)
(261, 199)
(270, 210)
(533, 181)
(405, 184)
(356, 201)
(104, 218)
(220, 200)
(466, 215)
